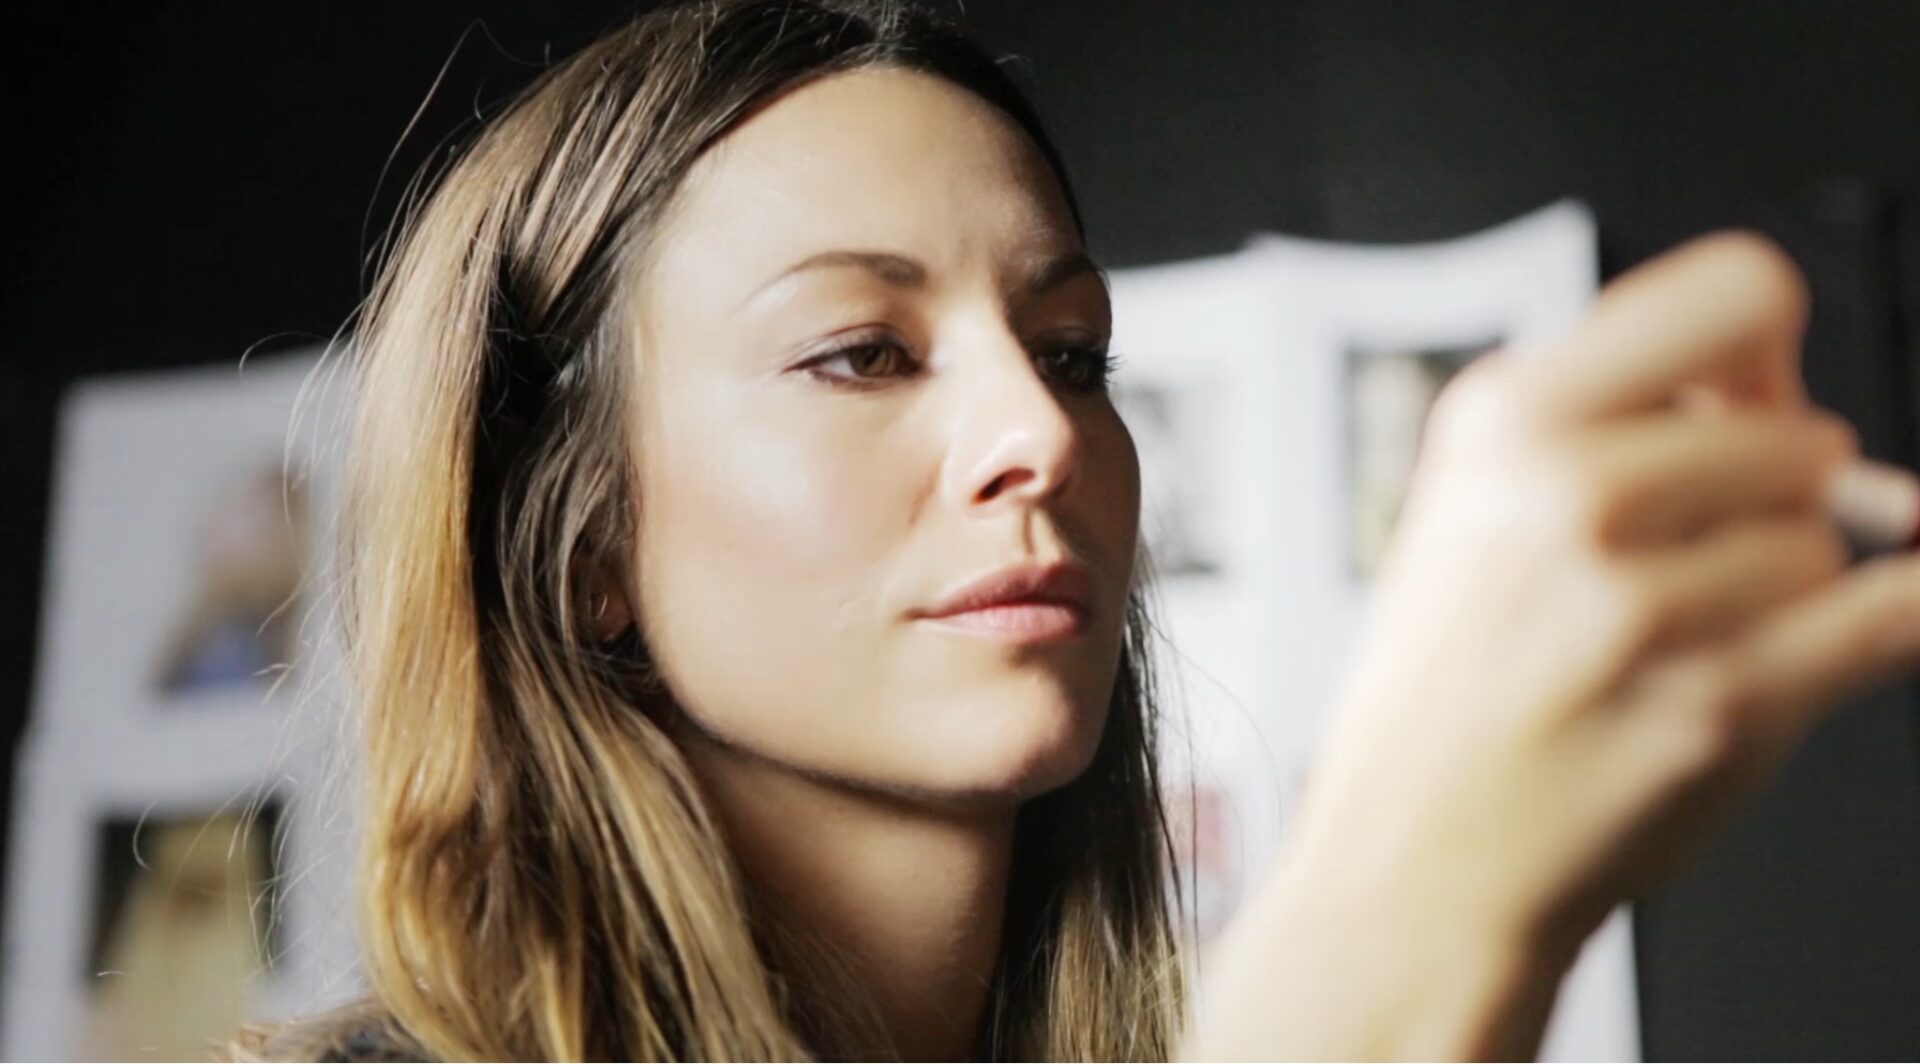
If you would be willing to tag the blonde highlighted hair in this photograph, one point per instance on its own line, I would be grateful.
(542, 877)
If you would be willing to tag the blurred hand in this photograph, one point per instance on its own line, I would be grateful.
(1615, 604)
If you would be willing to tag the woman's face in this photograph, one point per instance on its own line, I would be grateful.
(869, 373)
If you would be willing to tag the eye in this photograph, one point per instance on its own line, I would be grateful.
(1079, 367)
(869, 361)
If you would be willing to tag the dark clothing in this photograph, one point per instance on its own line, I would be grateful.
(359, 1033)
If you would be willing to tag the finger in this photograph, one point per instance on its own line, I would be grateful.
(1861, 631)
(1665, 478)
(1722, 582)
(1727, 310)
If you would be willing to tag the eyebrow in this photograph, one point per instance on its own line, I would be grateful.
(904, 272)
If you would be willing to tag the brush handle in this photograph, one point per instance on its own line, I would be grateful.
(1877, 505)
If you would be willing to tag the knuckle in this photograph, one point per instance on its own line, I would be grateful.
(1572, 498)
(1826, 550)
(1772, 275)
(1629, 610)
(1807, 552)
(1713, 696)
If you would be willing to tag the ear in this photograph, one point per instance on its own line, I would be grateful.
(609, 608)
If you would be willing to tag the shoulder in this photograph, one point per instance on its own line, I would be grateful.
(362, 1031)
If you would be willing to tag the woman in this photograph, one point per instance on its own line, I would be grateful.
(746, 612)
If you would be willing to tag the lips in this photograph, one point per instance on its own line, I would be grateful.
(1012, 598)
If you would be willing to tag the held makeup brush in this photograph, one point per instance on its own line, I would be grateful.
(1876, 505)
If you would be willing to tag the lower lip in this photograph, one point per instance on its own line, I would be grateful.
(1019, 622)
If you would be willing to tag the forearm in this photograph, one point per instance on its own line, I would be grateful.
(1317, 968)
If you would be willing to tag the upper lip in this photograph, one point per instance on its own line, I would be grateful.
(1065, 582)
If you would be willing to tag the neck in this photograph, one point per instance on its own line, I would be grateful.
(912, 899)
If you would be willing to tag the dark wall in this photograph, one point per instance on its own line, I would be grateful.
(196, 181)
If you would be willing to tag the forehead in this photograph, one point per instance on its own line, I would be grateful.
(878, 158)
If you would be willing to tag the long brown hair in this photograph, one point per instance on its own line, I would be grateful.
(541, 875)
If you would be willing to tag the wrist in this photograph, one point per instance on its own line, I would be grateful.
(1324, 963)
(1431, 868)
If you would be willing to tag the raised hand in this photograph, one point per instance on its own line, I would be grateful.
(1614, 606)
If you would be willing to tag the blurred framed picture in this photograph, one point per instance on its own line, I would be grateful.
(183, 532)
(1387, 397)
(184, 931)
(1176, 434)
(237, 624)
(181, 806)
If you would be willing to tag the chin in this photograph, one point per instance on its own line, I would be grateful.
(1020, 749)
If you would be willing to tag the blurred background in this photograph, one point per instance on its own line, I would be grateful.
(198, 181)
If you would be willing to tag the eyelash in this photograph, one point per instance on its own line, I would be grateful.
(1103, 365)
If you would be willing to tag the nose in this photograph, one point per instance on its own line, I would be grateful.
(1015, 444)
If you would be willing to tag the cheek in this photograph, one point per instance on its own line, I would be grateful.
(766, 502)
(760, 542)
